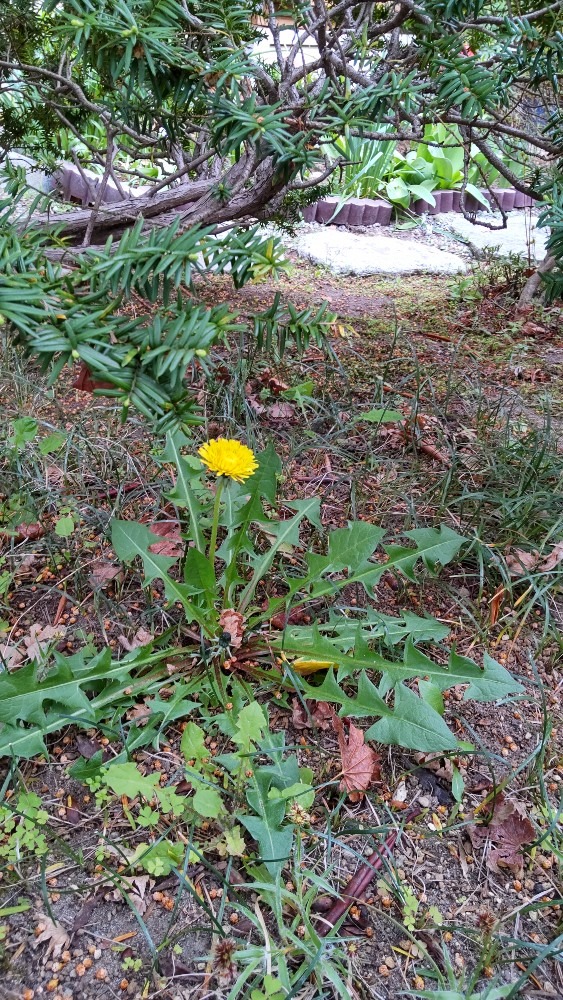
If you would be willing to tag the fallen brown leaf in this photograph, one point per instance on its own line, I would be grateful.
(519, 562)
(102, 573)
(553, 559)
(135, 888)
(319, 716)
(54, 476)
(139, 714)
(10, 656)
(360, 764)
(141, 638)
(232, 622)
(400, 795)
(87, 748)
(40, 638)
(54, 935)
(297, 616)
(29, 531)
(27, 568)
(495, 603)
(442, 767)
(504, 836)
(281, 411)
(255, 404)
(172, 543)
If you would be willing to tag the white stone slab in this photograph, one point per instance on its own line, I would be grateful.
(358, 253)
(520, 233)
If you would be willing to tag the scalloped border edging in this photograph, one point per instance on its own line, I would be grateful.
(372, 211)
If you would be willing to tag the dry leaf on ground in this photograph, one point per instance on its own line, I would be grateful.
(553, 559)
(400, 795)
(54, 935)
(102, 573)
(29, 531)
(54, 476)
(319, 714)
(519, 562)
(40, 638)
(139, 714)
(135, 889)
(508, 831)
(141, 638)
(10, 656)
(232, 622)
(27, 568)
(442, 767)
(360, 764)
(282, 411)
(172, 543)
(87, 748)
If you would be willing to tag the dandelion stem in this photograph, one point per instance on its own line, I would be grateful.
(215, 521)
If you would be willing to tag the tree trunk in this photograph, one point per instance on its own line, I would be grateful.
(533, 285)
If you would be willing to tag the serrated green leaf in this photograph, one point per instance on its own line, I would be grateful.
(494, 682)
(192, 745)
(285, 533)
(413, 724)
(207, 801)
(251, 723)
(433, 546)
(382, 416)
(131, 539)
(351, 547)
(126, 779)
(46, 705)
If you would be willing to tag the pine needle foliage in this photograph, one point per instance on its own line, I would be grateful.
(200, 133)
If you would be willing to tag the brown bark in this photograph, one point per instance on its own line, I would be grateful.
(532, 288)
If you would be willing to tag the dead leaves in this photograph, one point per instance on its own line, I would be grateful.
(141, 638)
(360, 764)
(135, 889)
(232, 622)
(519, 562)
(102, 573)
(40, 638)
(508, 831)
(172, 543)
(10, 656)
(29, 532)
(308, 716)
(259, 393)
(54, 935)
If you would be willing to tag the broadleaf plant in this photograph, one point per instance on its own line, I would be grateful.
(344, 643)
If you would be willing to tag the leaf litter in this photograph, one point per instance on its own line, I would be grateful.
(504, 836)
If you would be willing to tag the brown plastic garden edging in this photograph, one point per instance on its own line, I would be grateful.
(372, 211)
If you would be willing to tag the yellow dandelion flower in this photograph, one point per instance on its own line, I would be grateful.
(227, 457)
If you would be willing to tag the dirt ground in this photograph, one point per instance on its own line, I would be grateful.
(470, 379)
